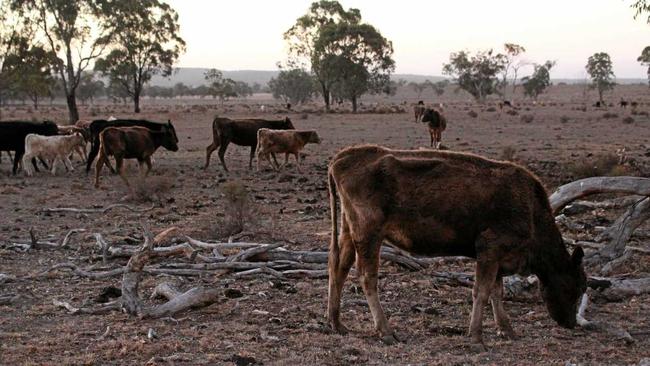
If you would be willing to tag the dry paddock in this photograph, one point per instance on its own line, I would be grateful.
(282, 322)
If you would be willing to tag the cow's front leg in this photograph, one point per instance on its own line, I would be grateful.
(500, 316)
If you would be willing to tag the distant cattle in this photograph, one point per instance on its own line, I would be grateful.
(437, 203)
(623, 103)
(132, 143)
(242, 132)
(13, 133)
(437, 123)
(52, 148)
(505, 103)
(97, 126)
(283, 141)
(418, 110)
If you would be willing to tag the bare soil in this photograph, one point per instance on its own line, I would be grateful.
(430, 315)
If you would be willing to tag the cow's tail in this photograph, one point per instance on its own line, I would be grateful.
(334, 241)
(215, 131)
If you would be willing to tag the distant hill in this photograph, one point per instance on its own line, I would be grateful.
(194, 77)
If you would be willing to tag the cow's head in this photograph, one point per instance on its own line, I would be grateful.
(170, 140)
(563, 290)
(314, 138)
(51, 128)
(287, 124)
(431, 115)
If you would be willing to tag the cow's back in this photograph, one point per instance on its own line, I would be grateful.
(243, 132)
(13, 133)
(432, 202)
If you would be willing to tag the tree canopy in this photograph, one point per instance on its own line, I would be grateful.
(146, 43)
(537, 83)
(344, 54)
(599, 67)
(294, 86)
(477, 74)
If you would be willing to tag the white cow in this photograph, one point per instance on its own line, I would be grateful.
(51, 148)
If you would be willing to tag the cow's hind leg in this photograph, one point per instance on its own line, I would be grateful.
(338, 268)
(222, 154)
(500, 316)
(368, 267)
(486, 273)
(251, 156)
(208, 151)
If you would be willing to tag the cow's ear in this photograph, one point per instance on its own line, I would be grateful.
(576, 257)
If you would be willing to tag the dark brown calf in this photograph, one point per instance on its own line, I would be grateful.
(437, 123)
(242, 132)
(437, 203)
(132, 143)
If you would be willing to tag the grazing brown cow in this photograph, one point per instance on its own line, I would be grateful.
(436, 123)
(437, 203)
(418, 110)
(242, 132)
(132, 143)
(283, 141)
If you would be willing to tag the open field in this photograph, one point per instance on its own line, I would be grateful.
(431, 315)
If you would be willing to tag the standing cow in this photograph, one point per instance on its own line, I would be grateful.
(132, 143)
(242, 132)
(418, 110)
(97, 126)
(437, 123)
(437, 203)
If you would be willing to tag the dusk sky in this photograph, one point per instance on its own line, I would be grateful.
(247, 34)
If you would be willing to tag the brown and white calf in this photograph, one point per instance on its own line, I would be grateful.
(70, 130)
(53, 148)
(439, 203)
(132, 143)
(283, 141)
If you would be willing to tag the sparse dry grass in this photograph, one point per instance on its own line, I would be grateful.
(600, 165)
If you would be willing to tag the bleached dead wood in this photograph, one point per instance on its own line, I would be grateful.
(66, 238)
(620, 232)
(98, 210)
(588, 186)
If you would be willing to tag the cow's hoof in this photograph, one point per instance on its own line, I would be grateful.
(339, 328)
(507, 334)
(477, 347)
(389, 339)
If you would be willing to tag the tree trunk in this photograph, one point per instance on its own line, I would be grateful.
(72, 107)
(35, 100)
(136, 102)
(354, 104)
(326, 96)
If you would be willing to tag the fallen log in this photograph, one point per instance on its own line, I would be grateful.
(588, 186)
(98, 210)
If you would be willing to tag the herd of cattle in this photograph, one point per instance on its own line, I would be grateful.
(139, 139)
(428, 202)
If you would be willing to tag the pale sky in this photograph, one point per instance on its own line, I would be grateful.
(247, 34)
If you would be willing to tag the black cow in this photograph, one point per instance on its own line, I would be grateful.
(13, 133)
(242, 132)
(97, 126)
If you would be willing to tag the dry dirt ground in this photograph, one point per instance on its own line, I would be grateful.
(430, 315)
